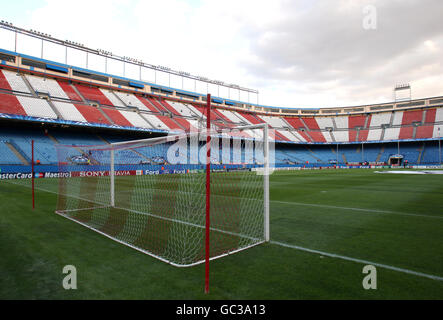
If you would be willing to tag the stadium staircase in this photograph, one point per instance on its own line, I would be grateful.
(19, 154)
(28, 85)
(422, 150)
(119, 99)
(183, 123)
(382, 150)
(7, 157)
(53, 139)
(54, 109)
(313, 154)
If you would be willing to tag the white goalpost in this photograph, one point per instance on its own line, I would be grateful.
(184, 199)
(132, 193)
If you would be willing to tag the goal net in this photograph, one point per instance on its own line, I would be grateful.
(151, 194)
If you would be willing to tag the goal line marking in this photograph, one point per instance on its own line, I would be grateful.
(364, 210)
(337, 256)
(358, 209)
(154, 255)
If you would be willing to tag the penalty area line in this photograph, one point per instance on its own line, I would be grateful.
(361, 261)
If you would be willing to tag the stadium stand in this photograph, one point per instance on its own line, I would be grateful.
(37, 107)
(312, 139)
(92, 114)
(131, 101)
(392, 133)
(15, 81)
(314, 129)
(113, 98)
(7, 155)
(10, 105)
(183, 109)
(116, 117)
(69, 91)
(46, 85)
(357, 128)
(375, 128)
(159, 120)
(430, 153)
(135, 119)
(68, 111)
(19, 138)
(178, 117)
(326, 126)
(438, 128)
(93, 94)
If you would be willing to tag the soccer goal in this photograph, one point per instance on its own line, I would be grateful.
(163, 197)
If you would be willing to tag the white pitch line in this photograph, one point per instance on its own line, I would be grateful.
(358, 209)
(337, 256)
(316, 205)
(308, 205)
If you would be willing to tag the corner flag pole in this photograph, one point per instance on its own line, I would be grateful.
(208, 188)
(32, 173)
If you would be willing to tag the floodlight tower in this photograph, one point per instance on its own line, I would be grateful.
(402, 92)
(45, 38)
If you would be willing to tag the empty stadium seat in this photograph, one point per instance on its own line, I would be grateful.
(47, 85)
(69, 90)
(68, 111)
(15, 81)
(135, 119)
(36, 107)
(131, 100)
(378, 119)
(6, 155)
(116, 117)
(67, 100)
(10, 105)
(112, 97)
(93, 94)
(91, 114)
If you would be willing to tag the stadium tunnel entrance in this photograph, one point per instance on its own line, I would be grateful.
(396, 160)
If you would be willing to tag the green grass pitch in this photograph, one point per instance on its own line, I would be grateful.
(326, 225)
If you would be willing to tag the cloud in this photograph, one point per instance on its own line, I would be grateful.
(297, 53)
(326, 49)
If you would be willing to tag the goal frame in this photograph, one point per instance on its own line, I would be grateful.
(264, 171)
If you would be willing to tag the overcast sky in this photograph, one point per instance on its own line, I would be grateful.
(303, 53)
